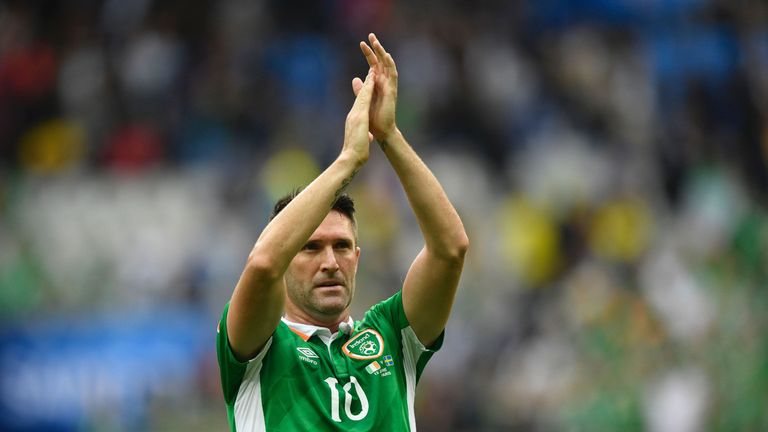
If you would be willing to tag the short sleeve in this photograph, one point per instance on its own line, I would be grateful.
(415, 354)
(231, 369)
(392, 311)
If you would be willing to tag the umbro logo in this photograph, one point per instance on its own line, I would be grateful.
(307, 352)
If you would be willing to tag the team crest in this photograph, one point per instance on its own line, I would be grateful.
(366, 345)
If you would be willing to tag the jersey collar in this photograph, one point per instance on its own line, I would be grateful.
(306, 331)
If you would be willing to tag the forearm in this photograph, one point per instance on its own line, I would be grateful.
(259, 295)
(285, 235)
(443, 231)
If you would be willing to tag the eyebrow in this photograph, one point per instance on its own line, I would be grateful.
(347, 240)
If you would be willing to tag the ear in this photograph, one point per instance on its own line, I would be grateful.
(357, 258)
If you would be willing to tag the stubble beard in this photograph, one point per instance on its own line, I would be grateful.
(310, 299)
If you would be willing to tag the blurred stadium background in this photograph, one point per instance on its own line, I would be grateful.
(608, 158)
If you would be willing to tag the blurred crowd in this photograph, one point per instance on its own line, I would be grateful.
(609, 160)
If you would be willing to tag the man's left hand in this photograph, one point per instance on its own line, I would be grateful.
(382, 114)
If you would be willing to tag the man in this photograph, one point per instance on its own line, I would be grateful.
(314, 368)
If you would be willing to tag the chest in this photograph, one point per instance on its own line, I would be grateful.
(370, 355)
(353, 379)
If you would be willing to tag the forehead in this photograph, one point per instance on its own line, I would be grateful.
(334, 226)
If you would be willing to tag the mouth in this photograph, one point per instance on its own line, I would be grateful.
(330, 284)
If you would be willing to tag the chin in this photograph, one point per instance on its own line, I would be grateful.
(332, 307)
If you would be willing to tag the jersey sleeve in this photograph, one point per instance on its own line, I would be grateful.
(415, 354)
(231, 369)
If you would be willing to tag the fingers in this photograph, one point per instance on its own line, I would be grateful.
(377, 46)
(382, 56)
(357, 84)
(365, 94)
(370, 56)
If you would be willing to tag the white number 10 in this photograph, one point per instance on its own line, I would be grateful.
(335, 415)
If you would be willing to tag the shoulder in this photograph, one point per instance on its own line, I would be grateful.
(389, 311)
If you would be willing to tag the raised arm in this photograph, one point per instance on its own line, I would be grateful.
(259, 297)
(430, 285)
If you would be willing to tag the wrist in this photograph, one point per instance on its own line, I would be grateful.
(389, 136)
(351, 160)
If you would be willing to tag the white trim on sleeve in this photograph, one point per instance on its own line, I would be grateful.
(412, 350)
(249, 411)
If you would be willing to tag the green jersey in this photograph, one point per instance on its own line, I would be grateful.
(307, 379)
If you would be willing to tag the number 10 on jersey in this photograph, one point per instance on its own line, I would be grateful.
(335, 411)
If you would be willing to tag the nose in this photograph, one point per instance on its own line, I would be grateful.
(329, 264)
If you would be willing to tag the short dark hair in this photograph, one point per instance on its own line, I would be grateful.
(344, 204)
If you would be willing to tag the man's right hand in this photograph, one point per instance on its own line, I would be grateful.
(357, 138)
(259, 297)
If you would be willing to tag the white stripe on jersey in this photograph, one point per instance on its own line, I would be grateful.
(249, 413)
(412, 350)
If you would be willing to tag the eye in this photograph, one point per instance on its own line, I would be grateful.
(343, 244)
(311, 246)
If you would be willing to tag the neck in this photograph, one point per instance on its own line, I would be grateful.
(330, 322)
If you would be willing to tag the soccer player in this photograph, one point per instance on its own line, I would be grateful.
(291, 358)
